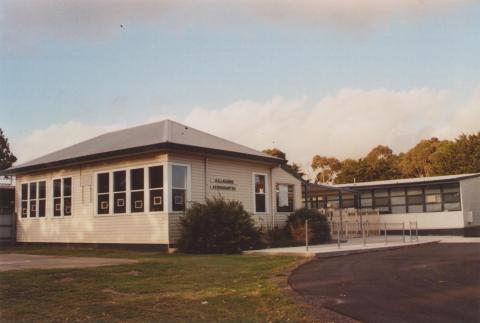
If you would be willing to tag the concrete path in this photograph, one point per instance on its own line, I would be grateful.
(354, 246)
(13, 261)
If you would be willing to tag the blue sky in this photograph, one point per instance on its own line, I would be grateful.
(75, 66)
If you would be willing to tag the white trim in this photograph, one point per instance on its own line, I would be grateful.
(37, 200)
(188, 185)
(267, 193)
(62, 197)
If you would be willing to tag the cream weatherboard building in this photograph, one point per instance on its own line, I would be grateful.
(132, 186)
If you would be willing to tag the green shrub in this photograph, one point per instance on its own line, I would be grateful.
(218, 226)
(318, 227)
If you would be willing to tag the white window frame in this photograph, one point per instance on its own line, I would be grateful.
(146, 187)
(37, 200)
(267, 194)
(188, 186)
(62, 206)
(276, 201)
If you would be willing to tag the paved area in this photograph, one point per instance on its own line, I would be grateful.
(12, 261)
(430, 283)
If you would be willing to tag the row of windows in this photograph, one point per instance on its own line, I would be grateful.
(284, 195)
(124, 191)
(417, 199)
(33, 198)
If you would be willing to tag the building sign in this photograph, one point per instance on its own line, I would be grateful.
(222, 184)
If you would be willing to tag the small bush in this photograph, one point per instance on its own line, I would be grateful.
(318, 227)
(218, 226)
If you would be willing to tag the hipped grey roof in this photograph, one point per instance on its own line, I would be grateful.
(163, 135)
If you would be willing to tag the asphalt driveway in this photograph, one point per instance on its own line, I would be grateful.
(431, 283)
(12, 261)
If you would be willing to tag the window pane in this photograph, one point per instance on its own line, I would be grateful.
(119, 202)
(179, 176)
(260, 184)
(24, 192)
(67, 206)
(24, 209)
(383, 209)
(120, 181)
(349, 203)
(155, 176)
(366, 195)
(451, 188)
(67, 186)
(414, 191)
(33, 191)
(434, 207)
(398, 200)
(433, 198)
(415, 199)
(366, 203)
(103, 204)
(156, 200)
(399, 209)
(397, 192)
(137, 201)
(380, 193)
(57, 207)
(178, 200)
(103, 185)
(432, 189)
(41, 208)
(452, 206)
(57, 188)
(285, 198)
(33, 209)
(260, 203)
(451, 197)
(136, 179)
(415, 208)
(381, 201)
(41, 189)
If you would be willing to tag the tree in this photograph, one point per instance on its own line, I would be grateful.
(7, 158)
(275, 152)
(457, 157)
(418, 161)
(293, 168)
(328, 168)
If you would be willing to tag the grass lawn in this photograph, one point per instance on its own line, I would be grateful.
(159, 288)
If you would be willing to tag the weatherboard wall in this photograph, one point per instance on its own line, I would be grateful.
(470, 193)
(85, 226)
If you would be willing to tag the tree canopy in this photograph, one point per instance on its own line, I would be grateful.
(7, 158)
(430, 157)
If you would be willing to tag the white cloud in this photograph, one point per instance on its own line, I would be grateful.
(32, 21)
(347, 124)
(43, 141)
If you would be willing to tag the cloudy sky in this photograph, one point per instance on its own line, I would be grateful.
(332, 77)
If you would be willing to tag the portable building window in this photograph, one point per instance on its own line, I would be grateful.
(333, 200)
(348, 200)
(451, 197)
(24, 203)
(67, 196)
(285, 198)
(62, 197)
(366, 200)
(137, 196)
(381, 200)
(398, 200)
(33, 200)
(415, 199)
(57, 197)
(155, 175)
(179, 187)
(103, 193)
(260, 193)
(433, 198)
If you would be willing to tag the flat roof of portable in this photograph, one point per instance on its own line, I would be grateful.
(158, 136)
(406, 181)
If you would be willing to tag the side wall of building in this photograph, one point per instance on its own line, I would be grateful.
(470, 192)
(84, 226)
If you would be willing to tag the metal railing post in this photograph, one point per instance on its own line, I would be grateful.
(338, 237)
(416, 230)
(403, 231)
(306, 235)
(410, 228)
